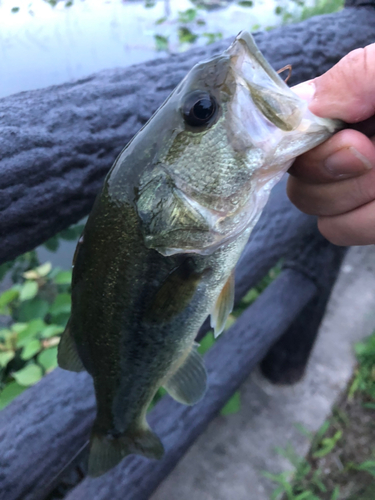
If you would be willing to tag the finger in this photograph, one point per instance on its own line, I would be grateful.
(332, 198)
(353, 228)
(346, 91)
(347, 154)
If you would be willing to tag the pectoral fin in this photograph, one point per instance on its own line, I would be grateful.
(188, 384)
(67, 353)
(223, 306)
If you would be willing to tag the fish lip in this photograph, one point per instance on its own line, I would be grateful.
(250, 53)
(246, 38)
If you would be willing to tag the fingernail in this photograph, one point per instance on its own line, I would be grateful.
(305, 90)
(347, 162)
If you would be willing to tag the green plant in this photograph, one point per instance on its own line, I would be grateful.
(34, 313)
(38, 309)
(306, 481)
(364, 379)
(296, 10)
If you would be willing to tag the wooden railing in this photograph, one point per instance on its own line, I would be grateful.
(55, 147)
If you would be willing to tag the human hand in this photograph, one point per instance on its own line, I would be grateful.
(336, 180)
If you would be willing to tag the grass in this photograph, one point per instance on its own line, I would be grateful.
(341, 462)
(297, 10)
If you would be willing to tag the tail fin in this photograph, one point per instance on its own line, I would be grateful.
(107, 451)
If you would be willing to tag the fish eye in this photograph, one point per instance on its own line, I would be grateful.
(200, 109)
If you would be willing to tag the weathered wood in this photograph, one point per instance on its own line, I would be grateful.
(57, 144)
(285, 362)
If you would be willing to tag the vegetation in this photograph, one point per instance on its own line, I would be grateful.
(190, 24)
(341, 461)
(34, 312)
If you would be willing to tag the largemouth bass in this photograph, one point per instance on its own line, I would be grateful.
(159, 249)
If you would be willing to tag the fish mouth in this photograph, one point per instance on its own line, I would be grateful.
(262, 97)
(244, 44)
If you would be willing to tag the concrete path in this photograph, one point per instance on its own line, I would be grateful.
(227, 461)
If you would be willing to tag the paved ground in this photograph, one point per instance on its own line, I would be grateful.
(227, 461)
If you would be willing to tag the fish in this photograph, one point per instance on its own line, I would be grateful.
(159, 249)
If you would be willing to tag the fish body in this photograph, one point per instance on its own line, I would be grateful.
(159, 249)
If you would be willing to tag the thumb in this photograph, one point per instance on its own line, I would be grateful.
(346, 91)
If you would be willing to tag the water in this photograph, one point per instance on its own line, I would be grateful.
(41, 45)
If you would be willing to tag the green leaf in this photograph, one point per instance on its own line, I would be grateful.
(205, 343)
(327, 445)
(34, 327)
(29, 375)
(31, 349)
(336, 493)
(251, 296)
(31, 309)
(71, 233)
(5, 357)
(10, 392)
(369, 406)
(14, 9)
(5, 333)
(212, 37)
(187, 16)
(322, 430)
(246, 3)
(161, 42)
(302, 430)
(233, 405)
(28, 291)
(52, 330)
(61, 304)
(52, 244)
(306, 495)
(185, 35)
(63, 278)
(44, 269)
(8, 296)
(367, 466)
(161, 20)
(48, 359)
(19, 327)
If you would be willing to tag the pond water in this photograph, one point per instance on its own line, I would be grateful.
(42, 45)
